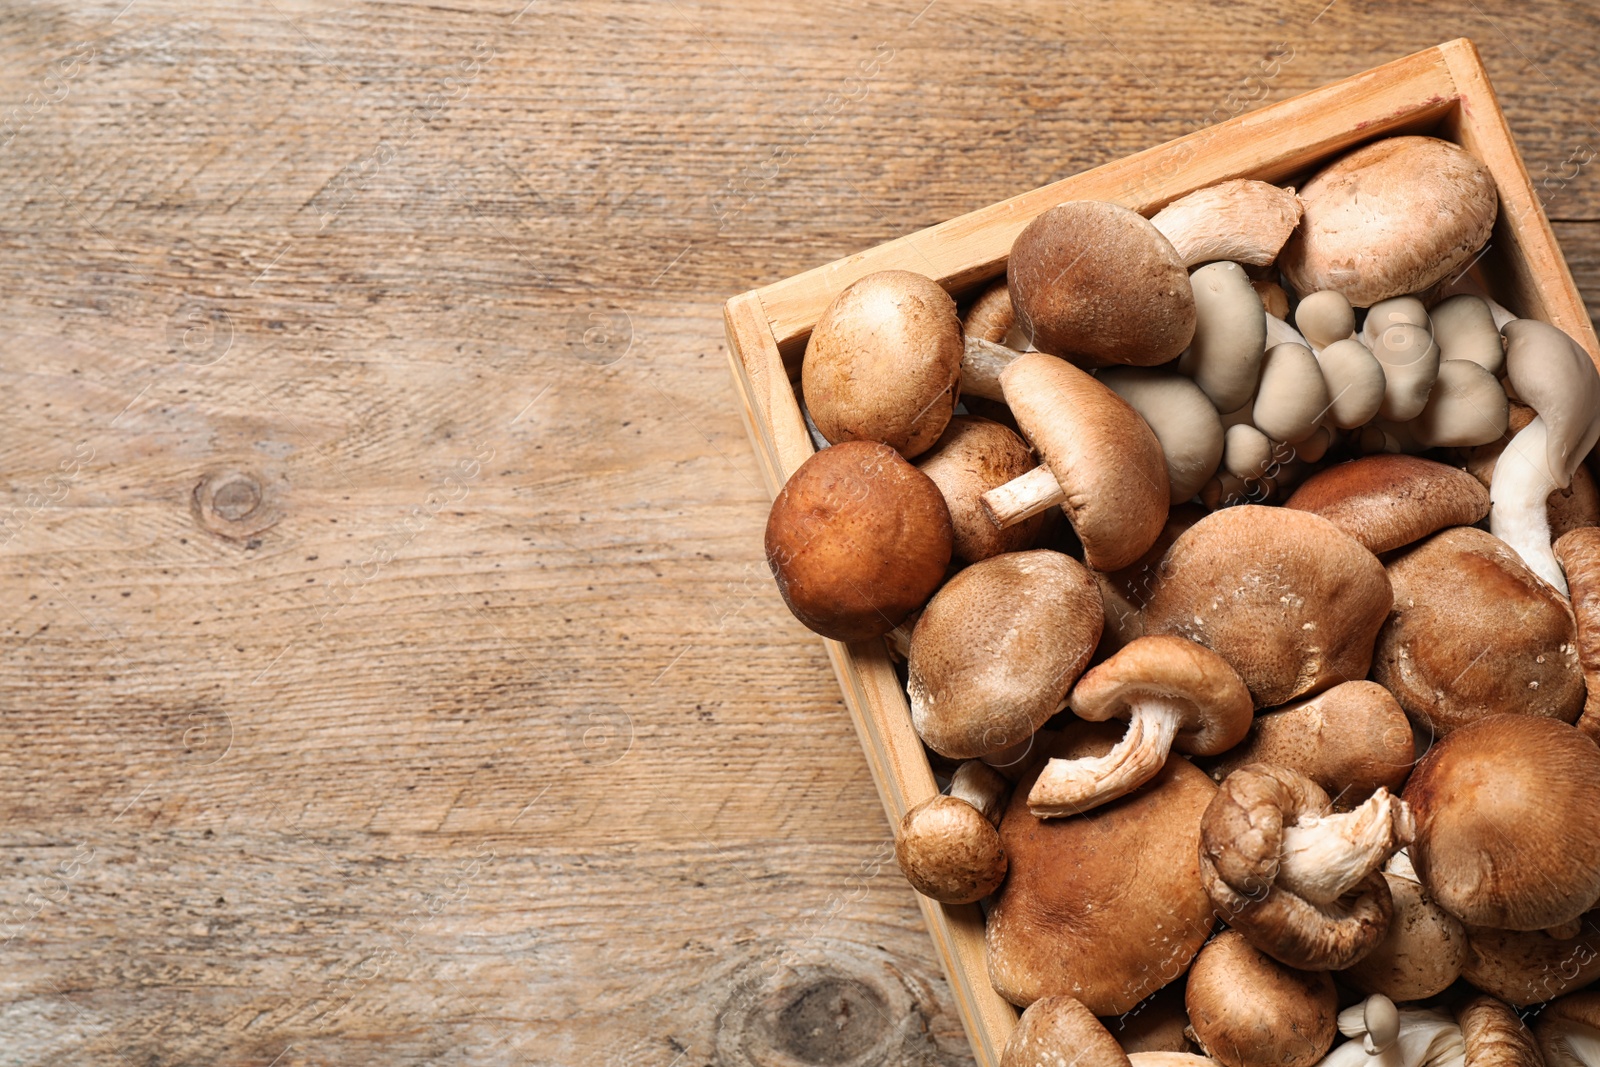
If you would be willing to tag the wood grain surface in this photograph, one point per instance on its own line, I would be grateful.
(389, 670)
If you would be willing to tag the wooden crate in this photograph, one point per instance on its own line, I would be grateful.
(1443, 91)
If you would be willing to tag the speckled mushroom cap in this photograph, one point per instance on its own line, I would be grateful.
(1105, 457)
(1106, 906)
(1350, 740)
(857, 539)
(948, 851)
(1241, 840)
(1097, 283)
(1287, 598)
(1506, 814)
(1495, 1035)
(1390, 500)
(1391, 218)
(1474, 631)
(1420, 954)
(1524, 967)
(1212, 700)
(997, 649)
(884, 362)
(1576, 1014)
(1249, 1010)
(973, 456)
(1059, 1030)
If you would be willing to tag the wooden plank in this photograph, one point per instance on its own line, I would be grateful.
(1270, 144)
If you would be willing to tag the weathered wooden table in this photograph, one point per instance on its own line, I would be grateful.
(390, 674)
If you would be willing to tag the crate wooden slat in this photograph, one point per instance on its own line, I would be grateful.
(1443, 90)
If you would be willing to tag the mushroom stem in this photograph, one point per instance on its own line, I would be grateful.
(1324, 857)
(981, 365)
(982, 786)
(1067, 787)
(1023, 497)
(1518, 492)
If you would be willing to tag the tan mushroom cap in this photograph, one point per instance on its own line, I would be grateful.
(1242, 838)
(884, 362)
(1350, 740)
(997, 649)
(1249, 1010)
(1576, 1015)
(857, 539)
(1184, 421)
(1524, 967)
(1505, 809)
(1325, 317)
(1106, 907)
(1495, 1035)
(1464, 327)
(1230, 335)
(1105, 458)
(1059, 1030)
(1097, 283)
(1212, 702)
(991, 315)
(1155, 1024)
(1555, 377)
(1242, 221)
(1388, 501)
(1287, 598)
(1391, 218)
(972, 457)
(1578, 552)
(1124, 593)
(1473, 632)
(1420, 954)
(1466, 407)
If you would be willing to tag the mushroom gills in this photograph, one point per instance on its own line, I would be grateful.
(1324, 857)
(1521, 485)
(1577, 1040)
(1067, 787)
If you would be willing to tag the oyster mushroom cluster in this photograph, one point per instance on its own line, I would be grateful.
(1243, 565)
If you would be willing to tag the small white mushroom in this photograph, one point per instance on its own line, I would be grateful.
(1410, 362)
(1420, 1038)
(1292, 396)
(1224, 357)
(1464, 327)
(1466, 407)
(1355, 383)
(1184, 421)
(1325, 317)
(1281, 333)
(1398, 311)
(1246, 451)
(1242, 220)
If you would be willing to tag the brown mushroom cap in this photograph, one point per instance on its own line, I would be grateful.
(1495, 1035)
(1097, 283)
(1213, 704)
(1106, 907)
(1387, 501)
(972, 457)
(1391, 218)
(1420, 954)
(1474, 632)
(1155, 1024)
(1505, 810)
(1105, 457)
(884, 362)
(990, 316)
(1578, 552)
(1350, 740)
(1576, 1015)
(1241, 844)
(1249, 1010)
(1524, 967)
(1059, 1030)
(1287, 598)
(1125, 592)
(948, 846)
(997, 649)
(857, 539)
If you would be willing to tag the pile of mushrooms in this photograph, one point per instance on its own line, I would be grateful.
(1244, 567)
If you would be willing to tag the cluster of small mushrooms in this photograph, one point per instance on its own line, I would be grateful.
(1219, 768)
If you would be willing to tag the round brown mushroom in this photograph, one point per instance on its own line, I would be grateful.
(1524, 967)
(1388, 501)
(1097, 283)
(1350, 740)
(1107, 907)
(1058, 1030)
(1393, 217)
(1248, 1010)
(1505, 822)
(991, 316)
(948, 846)
(1568, 1030)
(1495, 1036)
(1288, 599)
(1423, 950)
(857, 539)
(972, 457)
(1578, 552)
(997, 649)
(1474, 632)
(884, 362)
(1173, 693)
(1302, 886)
